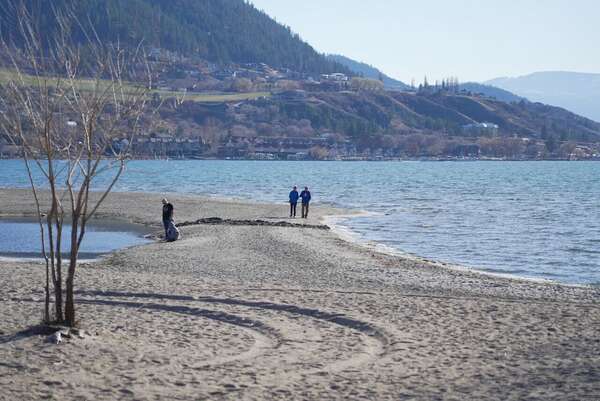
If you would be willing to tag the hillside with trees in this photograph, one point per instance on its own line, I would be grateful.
(231, 82)
(368, 71)
(220, 31)
(359, 124)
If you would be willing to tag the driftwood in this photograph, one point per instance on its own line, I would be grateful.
(59, 333)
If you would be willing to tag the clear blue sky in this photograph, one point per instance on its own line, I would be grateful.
(474, 40)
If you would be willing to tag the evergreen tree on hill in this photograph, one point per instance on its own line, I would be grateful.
(221, 31)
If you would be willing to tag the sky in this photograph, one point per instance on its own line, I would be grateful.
(472, 40)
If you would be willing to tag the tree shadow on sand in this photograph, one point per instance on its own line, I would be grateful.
(39, 330)
(334, 318)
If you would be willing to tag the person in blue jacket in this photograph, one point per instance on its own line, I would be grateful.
(305, 195)
(293, 201)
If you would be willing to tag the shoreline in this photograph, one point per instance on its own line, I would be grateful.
(353, 237)
(354, 160)
(252, 312)
(329, 215)
(331, 218)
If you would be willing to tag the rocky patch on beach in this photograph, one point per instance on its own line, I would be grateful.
(234, 222)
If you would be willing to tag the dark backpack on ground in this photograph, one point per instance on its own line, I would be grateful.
(173, 233)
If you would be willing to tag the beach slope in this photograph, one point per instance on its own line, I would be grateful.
(249, 311)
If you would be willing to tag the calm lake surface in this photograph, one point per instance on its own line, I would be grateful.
(530, 219)
(20, 238)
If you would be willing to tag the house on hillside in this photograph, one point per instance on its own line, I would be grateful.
(288, 148)
(481, 129)
(163, 145)
(224, 73)
(336, 76)
(8, 150)
(581, 152)
(297, 156)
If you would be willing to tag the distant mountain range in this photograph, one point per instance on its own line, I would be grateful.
(578, 92)
(368, 71)
(491, 92)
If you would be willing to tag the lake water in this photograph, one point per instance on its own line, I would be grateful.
(530, 219)
(20, 238)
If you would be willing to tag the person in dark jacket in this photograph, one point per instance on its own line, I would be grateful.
(293, 201)
(167, 214)
(305, 195)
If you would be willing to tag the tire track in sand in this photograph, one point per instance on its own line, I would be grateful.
(265, 337)
(375, 340)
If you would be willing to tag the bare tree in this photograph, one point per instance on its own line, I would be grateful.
(73, 106)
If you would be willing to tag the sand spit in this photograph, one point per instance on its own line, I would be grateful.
(215, 221)
(267, 312)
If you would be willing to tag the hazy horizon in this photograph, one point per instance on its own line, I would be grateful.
(465, 38)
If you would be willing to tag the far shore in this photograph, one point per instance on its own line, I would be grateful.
(358, 159)
(238, 311)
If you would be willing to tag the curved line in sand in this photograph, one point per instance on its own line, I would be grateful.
(377, 340)
(265, 337)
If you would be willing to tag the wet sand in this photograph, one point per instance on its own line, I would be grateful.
(259, 312)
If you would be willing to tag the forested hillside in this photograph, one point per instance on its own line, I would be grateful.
(368, 71)
(261, 94)
(220, 31)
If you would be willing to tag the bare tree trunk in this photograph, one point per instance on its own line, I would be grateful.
(56, 277)
(70, 302)
(42, 237)
(50, 78)
(55, 218)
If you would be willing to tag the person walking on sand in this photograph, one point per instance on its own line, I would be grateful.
(305, 195)
(167, 215)
(293, 201)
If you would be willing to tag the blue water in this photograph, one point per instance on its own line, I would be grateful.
(20, 238)
(530, 219)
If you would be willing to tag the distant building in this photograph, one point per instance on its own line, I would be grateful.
(336, 76)
(262, 156)
(298, 156)
(485, 128)
(8, 150)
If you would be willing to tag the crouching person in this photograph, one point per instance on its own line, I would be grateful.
(171, 231)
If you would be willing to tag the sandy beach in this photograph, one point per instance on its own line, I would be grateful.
(236, 311)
